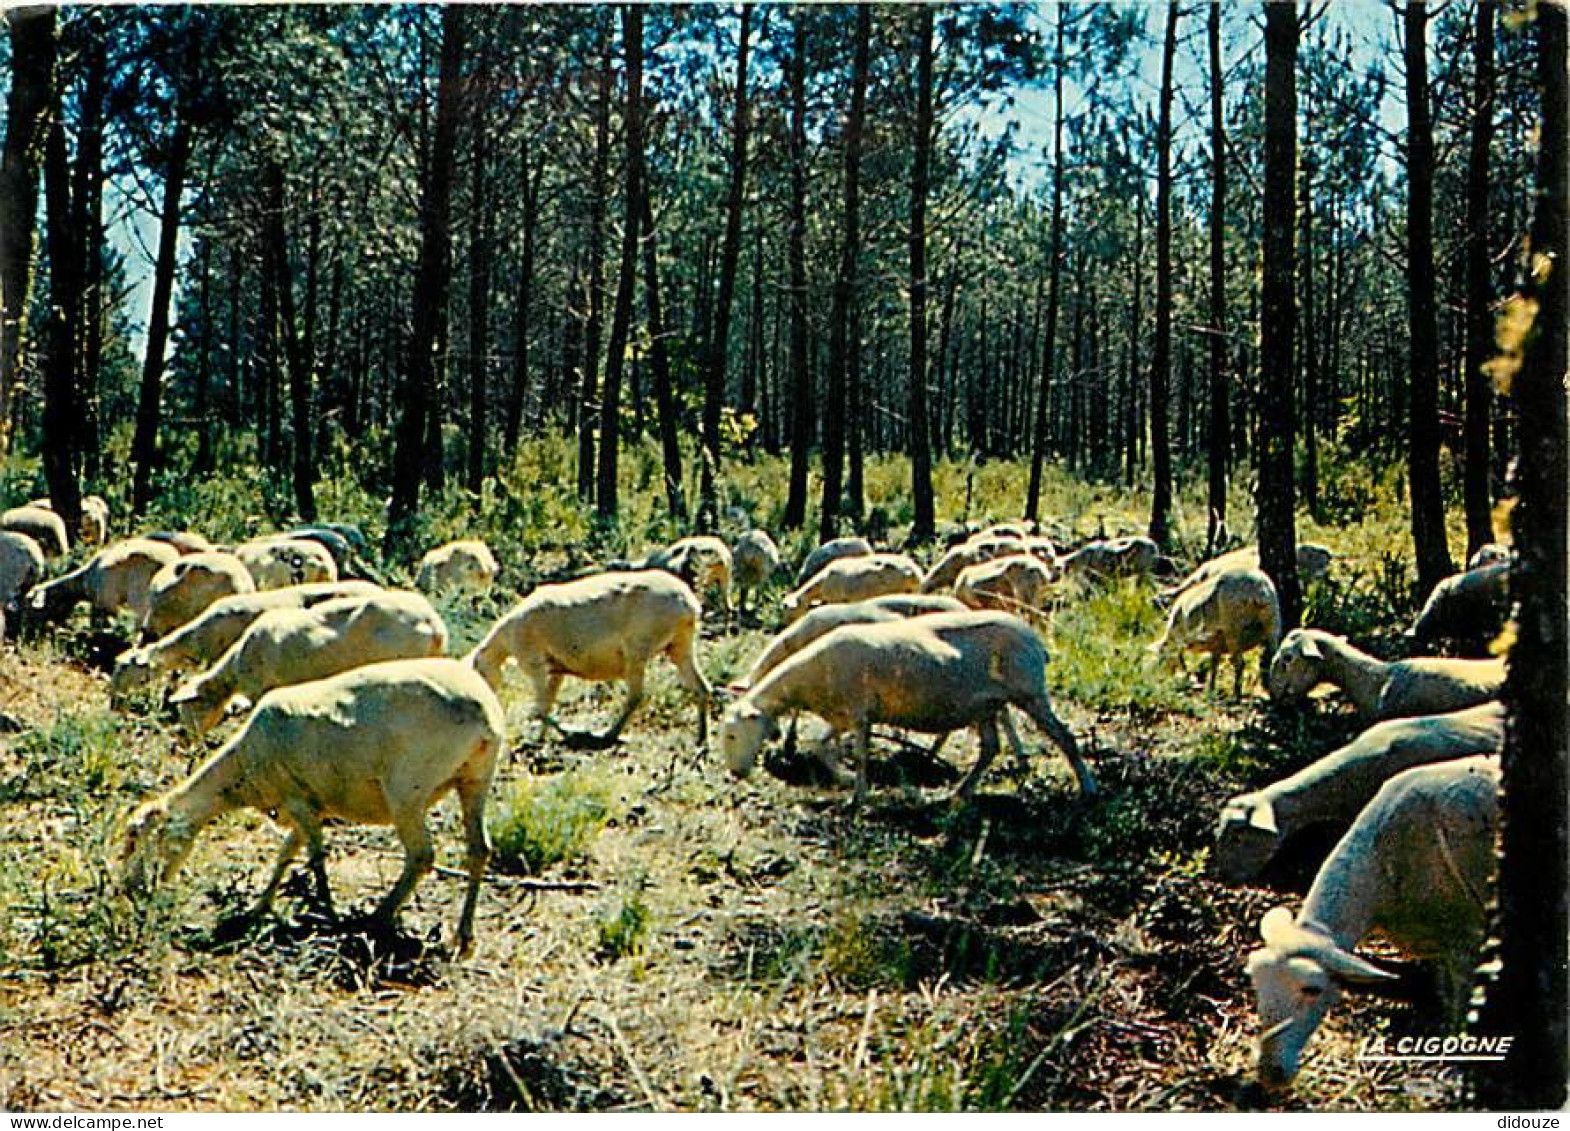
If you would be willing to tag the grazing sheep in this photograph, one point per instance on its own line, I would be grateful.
(1467, 610)
(1229, 613)
(21, 565)
(186, 586)
(1309, 657)
(974, 551)
(853, 579)
(345, 543)
(755, 559)
(288, 646)
(1253, 826)
(93, 528)
(600, 628)
(378, 745)
(930, 674)
(826, 618)
(185, 541)
(1017, 583)
(276, 562)
(210, 635)
(1416, 865)
(702, 561)
(1134, 556)
(117, 577)
(1489, 553)
(41, 525)
(467, 565)
(1313, 562)
(831, 551)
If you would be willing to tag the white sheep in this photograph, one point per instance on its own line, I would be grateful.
(930, 674)
(1416, 865)
(1253, 826)
(117, 577)
(1313, 562)
(853, 579)
(826, 618)
(276, 562)
(973, 551)
(1229, 613)
(1489, 553)
(185, 541)
(288, 646)
(1309, 657)
(467, 565)
(93, 529)
(181, 590)
(605, 627)
(1466, 609)
(41, 525)
(1015, 583)
(833, 550)
(702, 561)
(378, 745)
(1134, 556)
(21, 565)
(210, 635)
(755, 559)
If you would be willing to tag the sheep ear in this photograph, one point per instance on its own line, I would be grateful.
(1348, 967)
(1262, 816)
(1276, 926)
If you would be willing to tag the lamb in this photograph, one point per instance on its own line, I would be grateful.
(467, 565)
(276, 562)
(93, 528)
(1379, 690)
(1253, 826)
(185, 541)
(702, 561)
(1417, 865)
(41, 525)
(930, 674)
(1017, 583)
(378, 745)
(1467, 610)
(289, 646)
(1133, 556)
(974, 551)
(117, 577)
(826, 618)
(1231, 612)
(754, 561)
(605, 627)
(853, 579)
(21, 564)
(1313, 562)
(831, 551)
(210, 635)
(181, 590)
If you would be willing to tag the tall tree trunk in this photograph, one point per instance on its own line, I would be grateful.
(431, 280)
(1428, 506)
(1161, 361)
(1479, 288)
(800, 377)
(730, 252)
(480, 229)
(1529, 999)
(1136, 320)
(149, 409)
(659, 363)
(296, 355)
(1038, 451)
(588, 392)
(626, 278)
(202, 405)
(845, 286)
(917, 430)
(523, 299)
(1220, 431)
(1276, 500)
(61, 421)
(87, 200)
(32, 62)
(1308, 347)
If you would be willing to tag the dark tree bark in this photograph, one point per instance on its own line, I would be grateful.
(33, 49)
(523, 299)
(149, 409)
(1217, 443)
(1038, 451)
(202, 406)
(296, 356)
(1479, 288)
(730, 253)
(1428, 507)
(1307, 347)
(659, 363)
(917, 430)
(481, 225)
(432, 277)
(837, 405)
(61, 421)
(87, 203)
(588, 390)
(1529, 999)
(800, 377)
(1276, 500)
(626, 278)
(1161, 361)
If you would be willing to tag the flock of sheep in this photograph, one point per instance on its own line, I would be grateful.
(356, 713)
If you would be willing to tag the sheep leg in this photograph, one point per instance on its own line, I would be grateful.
(1021, 759)
(418, 859)
(308, 827)
(290, 849)
(987, 729)
(634, 698)
(1237, 675)
(547, 685)
(471, 798)
(1041, 713)
(681, 654)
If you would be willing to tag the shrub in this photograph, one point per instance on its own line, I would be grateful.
(541, 822)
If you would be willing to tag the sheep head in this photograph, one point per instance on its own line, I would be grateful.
(132, 672)
(1295, 670)
(1246, 838)
(156, 844)
(746, 728)
(1298, 975)
(199, 711)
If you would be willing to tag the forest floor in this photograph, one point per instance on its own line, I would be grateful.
(740, 945)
